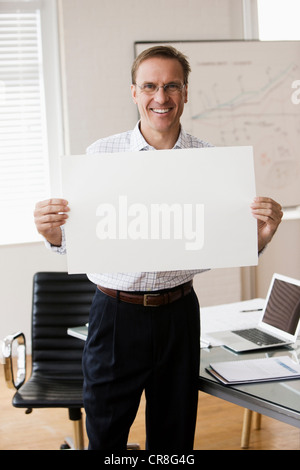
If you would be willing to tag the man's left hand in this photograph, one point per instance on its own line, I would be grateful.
(268, 214)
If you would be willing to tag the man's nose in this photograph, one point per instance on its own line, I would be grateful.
(161, 96)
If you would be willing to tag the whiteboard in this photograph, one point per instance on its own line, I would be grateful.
(240, 93)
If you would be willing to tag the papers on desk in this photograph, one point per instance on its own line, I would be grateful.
(255, 370)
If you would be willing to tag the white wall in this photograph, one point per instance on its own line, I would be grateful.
(97, 38)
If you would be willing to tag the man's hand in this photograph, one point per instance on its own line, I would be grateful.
(49, 215)
(268, 214)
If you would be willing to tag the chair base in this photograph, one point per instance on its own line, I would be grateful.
(78, 442)
(69, 444)
(133, 446)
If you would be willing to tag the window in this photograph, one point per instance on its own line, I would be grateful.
(278, 19)
(24, 121)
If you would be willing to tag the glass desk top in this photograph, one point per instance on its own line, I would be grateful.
(271, 398)
(280, 400)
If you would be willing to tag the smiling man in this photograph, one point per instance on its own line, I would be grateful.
(144, 328)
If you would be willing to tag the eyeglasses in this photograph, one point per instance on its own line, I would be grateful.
(169, 88)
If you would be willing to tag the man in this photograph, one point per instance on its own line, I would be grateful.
(139, 340)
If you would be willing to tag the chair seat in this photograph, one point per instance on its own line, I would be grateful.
(42, 391)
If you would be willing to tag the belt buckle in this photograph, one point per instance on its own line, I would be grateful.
(146, 300)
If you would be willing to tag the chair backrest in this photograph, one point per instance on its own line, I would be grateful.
(60, 301)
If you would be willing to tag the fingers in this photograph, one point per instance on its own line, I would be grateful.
(265, 203)
(266, 209)
(268, 214)
(50, 214)
(52, 206)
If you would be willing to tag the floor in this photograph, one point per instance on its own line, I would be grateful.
(219, 426)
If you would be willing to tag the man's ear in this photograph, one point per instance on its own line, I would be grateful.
(133, 93)
(186, 93)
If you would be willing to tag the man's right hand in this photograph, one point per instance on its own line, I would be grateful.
(49, 215)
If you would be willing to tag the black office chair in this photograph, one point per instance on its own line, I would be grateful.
(59, 301)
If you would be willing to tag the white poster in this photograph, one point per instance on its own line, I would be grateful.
(160, 210)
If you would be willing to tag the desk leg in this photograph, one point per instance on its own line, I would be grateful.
(257, 420)
(246, 429)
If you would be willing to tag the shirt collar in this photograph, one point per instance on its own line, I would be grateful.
(138, 143)
(182, 141)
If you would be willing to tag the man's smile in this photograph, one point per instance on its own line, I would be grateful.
(161, 110)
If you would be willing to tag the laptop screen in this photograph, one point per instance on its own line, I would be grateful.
(283, 306)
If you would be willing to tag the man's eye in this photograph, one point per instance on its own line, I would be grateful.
(172, 86)
(149, 86)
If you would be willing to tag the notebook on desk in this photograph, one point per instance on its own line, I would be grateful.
(279, 324)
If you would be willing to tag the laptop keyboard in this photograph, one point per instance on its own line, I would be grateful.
(258, 337)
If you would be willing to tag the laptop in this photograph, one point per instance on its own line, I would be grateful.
(279, 324)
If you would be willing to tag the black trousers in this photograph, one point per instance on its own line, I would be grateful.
(129, 349)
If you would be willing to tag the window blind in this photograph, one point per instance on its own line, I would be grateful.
(24, 169)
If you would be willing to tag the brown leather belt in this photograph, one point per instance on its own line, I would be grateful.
(152, 299)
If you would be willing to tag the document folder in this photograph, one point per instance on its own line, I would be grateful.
(255, 370)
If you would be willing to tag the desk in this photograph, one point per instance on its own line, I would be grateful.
(279, 400)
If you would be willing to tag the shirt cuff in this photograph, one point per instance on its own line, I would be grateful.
(62, 249)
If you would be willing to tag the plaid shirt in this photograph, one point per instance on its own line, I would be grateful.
(132, 141)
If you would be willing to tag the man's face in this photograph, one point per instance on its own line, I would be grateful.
(160, 112)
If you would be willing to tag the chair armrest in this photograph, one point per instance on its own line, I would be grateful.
(7, 351)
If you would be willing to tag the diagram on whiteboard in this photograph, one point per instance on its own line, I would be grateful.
(240, 93)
